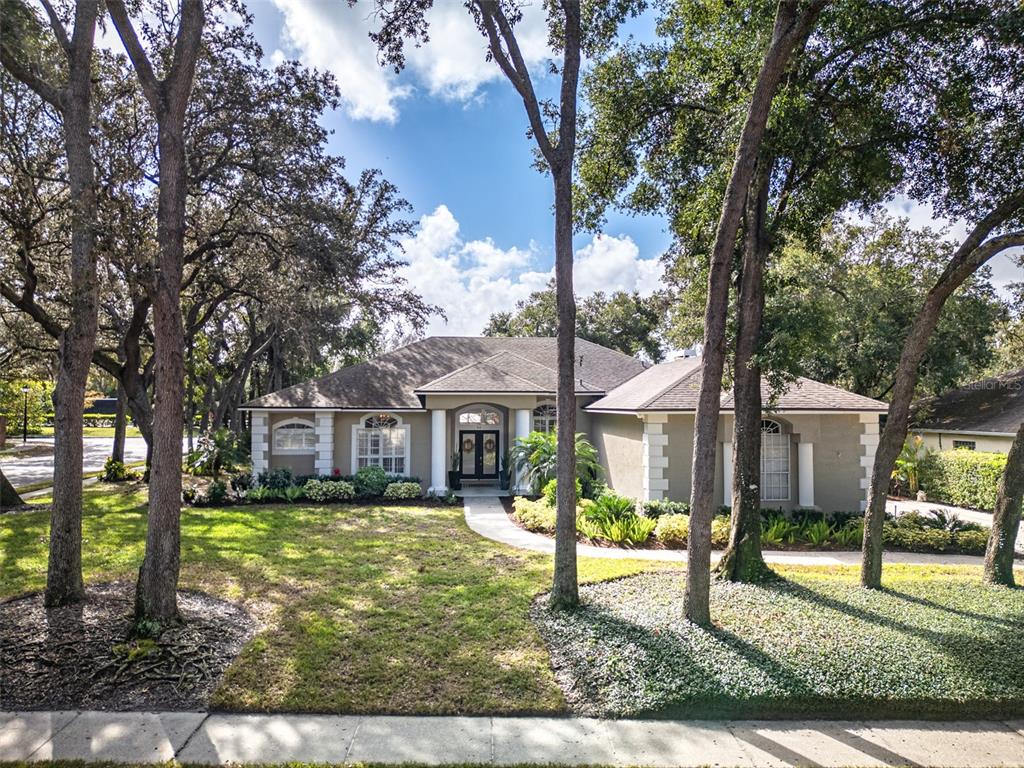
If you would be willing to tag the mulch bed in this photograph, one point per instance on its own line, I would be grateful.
(79, 657)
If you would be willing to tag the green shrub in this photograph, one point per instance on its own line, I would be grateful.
(216, 494)
(971, 542)
(117, 471)
(403, 491)
(370, 482)
(277, 479)
(550, 492)
(850, 535)
(536, 454)
(816, 534)
(916, 539)
(323, 491)
(660, 507)
(776, 531)
(720, 531)
(614, 506)
(963, 478)
(534, 515)
(672, 529)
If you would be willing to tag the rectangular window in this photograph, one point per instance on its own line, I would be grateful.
(384, 448)
(774, 467)
(966, 445)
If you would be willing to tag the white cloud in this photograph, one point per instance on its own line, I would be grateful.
(331, 35)
(472, 280)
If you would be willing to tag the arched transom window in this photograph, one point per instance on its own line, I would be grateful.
(381, 440)
(294, 436)
(774, 462)
(479, 417)
(545, 418)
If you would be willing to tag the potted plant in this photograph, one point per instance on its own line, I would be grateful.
(455, 473)
(505, 473)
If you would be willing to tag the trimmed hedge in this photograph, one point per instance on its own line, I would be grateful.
(963, 478)
(403, 491)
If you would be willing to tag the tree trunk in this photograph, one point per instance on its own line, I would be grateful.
(791, 26)
(156, 601)
(1002, 539)
(971, 255)
(742, 559)
(8, 496)
(75, 347)
(156, 595)
(120, 425)
(565, 587)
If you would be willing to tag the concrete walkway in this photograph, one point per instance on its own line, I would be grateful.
(487, 517)
(217, 739)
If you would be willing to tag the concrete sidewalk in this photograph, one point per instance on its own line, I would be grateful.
(134, 737)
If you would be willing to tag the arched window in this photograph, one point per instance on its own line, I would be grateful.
(479, 417)
(381, 440)
(545, 418)
(774, 462)
(294, 436)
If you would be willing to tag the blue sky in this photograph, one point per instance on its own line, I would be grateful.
(450, 132)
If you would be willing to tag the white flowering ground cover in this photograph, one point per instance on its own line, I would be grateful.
(934, 643)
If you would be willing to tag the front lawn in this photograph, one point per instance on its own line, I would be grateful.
(401, 610)
(405, 610)
(934, 643)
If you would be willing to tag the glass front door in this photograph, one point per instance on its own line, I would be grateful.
(479, 454)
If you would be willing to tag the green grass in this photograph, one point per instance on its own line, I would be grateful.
(405, 610)
(366, 609)
(935, 643)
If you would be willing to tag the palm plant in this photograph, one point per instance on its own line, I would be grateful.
(537, 455)
(908, 464)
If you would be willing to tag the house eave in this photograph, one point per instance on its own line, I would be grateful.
(972, 432)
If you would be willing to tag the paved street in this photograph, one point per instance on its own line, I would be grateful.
(32, 469)
(967, 515)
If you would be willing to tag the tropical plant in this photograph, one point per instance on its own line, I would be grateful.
(849, 535)
(294, 493)
(908, 464)
(215, 452)
(776, 532)
(536, 455)
(816, 534)
(550, 492)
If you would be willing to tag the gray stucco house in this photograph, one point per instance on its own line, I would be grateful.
(410, 410)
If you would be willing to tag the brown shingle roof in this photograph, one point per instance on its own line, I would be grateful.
(991, 405)
(675, 386)
(392, 380)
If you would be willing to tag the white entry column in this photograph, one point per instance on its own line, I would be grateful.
(727, 474)
(655, 457)
(439, 450)
(324, 443)
(260, 442)
(524, 423)
(805, 458)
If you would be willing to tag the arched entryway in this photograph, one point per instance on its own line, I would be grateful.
(480, 435)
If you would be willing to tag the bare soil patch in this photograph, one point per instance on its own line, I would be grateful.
(79, 657)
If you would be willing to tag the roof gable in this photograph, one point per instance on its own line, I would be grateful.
(675, 386)
(392, 380)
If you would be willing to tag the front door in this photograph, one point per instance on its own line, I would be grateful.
(479, 453)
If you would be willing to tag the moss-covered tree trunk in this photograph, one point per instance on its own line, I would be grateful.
(1006, 517)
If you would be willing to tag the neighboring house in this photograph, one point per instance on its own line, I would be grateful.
(416, 409)
(982, 416)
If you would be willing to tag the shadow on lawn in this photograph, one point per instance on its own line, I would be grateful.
(729, 671)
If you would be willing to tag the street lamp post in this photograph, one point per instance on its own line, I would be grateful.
(24, 415)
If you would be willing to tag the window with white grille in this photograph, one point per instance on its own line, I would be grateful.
(382, 441)
(545, 418)
(294, 436)
(774, 462)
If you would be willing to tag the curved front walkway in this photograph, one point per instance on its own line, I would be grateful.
(486, 516)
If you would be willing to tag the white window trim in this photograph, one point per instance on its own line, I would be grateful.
(401, 425)
(789, 463)
(478, 427)
(292, 451)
